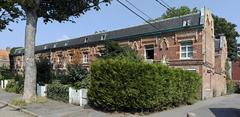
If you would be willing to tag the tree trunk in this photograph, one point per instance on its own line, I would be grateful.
(30, 65)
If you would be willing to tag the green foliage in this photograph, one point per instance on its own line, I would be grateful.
(183, 10)
(230, 87)
(76, 76)
(59, 92)
(125, 85)
(9, 13)
(5, 73)
(45, 74)
(227, 69)
(114, 50)
(49, 10)
(18, 102)
(15, 86)
(222, 26)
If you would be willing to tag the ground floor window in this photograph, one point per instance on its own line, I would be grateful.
(149, 52)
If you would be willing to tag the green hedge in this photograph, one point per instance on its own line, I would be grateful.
(124, 85)
(15, 86)
(59, 92)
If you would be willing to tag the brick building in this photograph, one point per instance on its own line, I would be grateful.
(186, 42)
(236, 70)
(4, 57)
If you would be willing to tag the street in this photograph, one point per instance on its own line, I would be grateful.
(227, 106)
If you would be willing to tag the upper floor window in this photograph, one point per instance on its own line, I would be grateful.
(85, 40)
(85, 58)
(149, 52)
(103, 37)
(186, 22)
(186, 50)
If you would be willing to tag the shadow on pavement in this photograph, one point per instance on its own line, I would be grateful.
(225, 112)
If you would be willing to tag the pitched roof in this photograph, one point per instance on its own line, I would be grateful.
(167, 25)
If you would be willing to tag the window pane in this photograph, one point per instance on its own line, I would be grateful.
(190, 54)
(183, 49)
(190, 48)
(183, 55)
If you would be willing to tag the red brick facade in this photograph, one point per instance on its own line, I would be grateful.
(236, 70)
(188, 48)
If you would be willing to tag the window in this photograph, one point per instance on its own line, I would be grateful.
(186, 50)
(186, 23)
(149, 52)
(85, 58)
(192, 70)
(86, 39)
(70, 58)
(103, 37)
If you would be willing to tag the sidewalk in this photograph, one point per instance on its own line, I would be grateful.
(49, 109)
(59, 109)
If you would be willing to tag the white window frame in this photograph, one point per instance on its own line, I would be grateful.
(193, 70)
(187, 51)
(85, 58)
(103, 37)
(145, 53)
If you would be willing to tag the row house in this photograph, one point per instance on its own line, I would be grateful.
(4, 57)
(186, 42)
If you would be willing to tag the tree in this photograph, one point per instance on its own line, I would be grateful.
(49, 11)
(114, 50)
(221, 26)
(183, 10)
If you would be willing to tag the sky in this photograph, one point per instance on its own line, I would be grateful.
(112, 17)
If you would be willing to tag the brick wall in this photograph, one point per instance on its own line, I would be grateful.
(236, 70)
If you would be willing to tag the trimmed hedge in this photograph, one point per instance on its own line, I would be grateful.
(125, 85)
(15, 86)
(59, 92)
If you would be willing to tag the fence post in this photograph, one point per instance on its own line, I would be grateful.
(81, 97)
(45, 90)
(70, 95)
(5, 83)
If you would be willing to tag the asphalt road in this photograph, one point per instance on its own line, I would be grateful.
(6, 111)
(225, 106)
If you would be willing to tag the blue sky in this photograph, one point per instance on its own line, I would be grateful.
(113, 17)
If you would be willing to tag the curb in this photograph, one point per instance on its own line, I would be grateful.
(21, 109)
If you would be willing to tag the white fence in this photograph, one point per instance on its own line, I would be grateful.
(4, 83)
(42, 90)
(78, 97)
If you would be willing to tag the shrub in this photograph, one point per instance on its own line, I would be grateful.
(114, 50)
(230, 87)
(125, 85)
(11, 86)
(15, 86)
(44, 72)
(57, 91)
(76, 76)
(5, 73)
